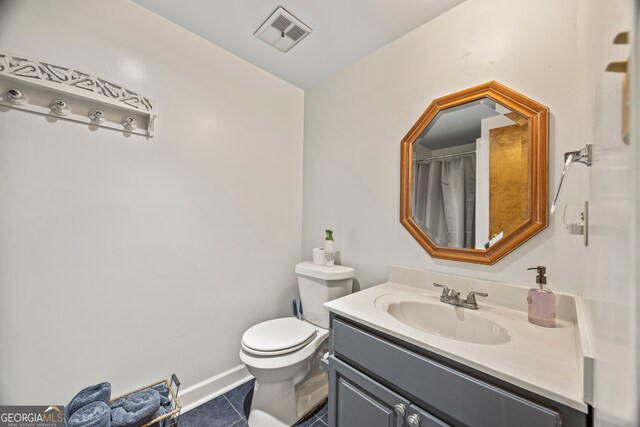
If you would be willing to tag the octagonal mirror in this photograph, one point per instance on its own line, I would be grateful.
(474, 174)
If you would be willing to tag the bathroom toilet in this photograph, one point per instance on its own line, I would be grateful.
(284, 354)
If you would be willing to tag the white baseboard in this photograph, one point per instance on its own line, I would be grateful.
(210, 388)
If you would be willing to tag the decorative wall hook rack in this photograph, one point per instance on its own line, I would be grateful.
(61, 92)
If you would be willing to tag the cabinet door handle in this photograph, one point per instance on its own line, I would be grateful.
(413, 420)
(399, 410)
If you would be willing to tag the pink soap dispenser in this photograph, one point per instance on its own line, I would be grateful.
(542, 301)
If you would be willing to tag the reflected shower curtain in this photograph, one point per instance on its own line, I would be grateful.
(444, 200)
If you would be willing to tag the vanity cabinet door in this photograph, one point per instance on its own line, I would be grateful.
(357, 400)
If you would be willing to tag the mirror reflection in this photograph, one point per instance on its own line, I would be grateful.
(471, 175)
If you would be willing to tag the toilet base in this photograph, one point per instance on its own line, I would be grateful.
(282, 404)
(259, 418)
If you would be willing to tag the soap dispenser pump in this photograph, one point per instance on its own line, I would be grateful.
(542, 301)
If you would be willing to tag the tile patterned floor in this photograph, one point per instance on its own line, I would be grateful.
(232, 409)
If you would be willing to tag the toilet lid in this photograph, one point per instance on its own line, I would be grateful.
(278, 335)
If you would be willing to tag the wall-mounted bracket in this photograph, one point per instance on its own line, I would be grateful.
(64, 93)
(623, 67)
(581, 228)
(581, 156)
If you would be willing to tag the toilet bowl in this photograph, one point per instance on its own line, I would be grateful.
(284, 354)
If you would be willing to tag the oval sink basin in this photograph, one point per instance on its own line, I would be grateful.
(448, 321)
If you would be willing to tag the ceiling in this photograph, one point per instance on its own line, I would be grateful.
(343, 31)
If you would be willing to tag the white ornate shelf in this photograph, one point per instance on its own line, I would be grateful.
(58, 91)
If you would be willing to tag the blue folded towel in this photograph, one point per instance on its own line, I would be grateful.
(165, 401)
(116, 403)
(164, 394)
(162, 389)
(95, 393)
(95, 414)
(136, 409)
(162, 411)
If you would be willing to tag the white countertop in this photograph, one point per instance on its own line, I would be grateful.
(546, 361)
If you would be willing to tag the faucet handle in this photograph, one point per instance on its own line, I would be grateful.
(471, 297)
(445, 289)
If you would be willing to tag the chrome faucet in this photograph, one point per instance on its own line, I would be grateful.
(451, 296)
(470, 301)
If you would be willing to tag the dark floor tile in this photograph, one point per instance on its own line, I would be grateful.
(195, 417)
(322, 410)
(318, 423)
(215, 413)
(324, 418)
(240, 397)
(241, 390)
(307, 421)
(241, 423)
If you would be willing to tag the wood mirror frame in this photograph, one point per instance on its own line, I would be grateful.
(538, 129)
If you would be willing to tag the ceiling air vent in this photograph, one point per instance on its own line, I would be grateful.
(282, 30)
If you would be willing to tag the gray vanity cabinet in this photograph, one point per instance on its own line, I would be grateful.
(377, 381)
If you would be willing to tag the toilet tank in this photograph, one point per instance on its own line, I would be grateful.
(319, 284)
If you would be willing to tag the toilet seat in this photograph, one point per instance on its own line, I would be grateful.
(277, 337)
(276, 353)
(285, 360)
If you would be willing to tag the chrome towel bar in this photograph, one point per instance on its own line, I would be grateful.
(581, 156)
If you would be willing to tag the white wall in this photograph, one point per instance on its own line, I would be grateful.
(127, 259)
(355, 121)
(612, 257)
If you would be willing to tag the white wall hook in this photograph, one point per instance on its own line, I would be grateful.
(59, 107)
(129, 123)
(16, 97)
(97, 116)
